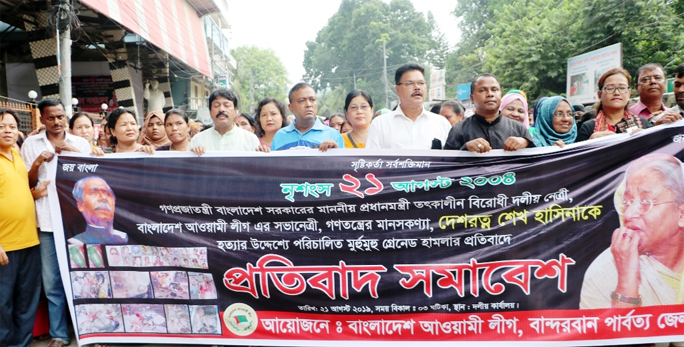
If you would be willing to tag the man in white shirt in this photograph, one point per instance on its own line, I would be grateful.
(409, 126)
(224, 136)
(36, 151)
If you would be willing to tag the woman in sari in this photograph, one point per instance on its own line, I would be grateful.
(358, 110)
(613, 116)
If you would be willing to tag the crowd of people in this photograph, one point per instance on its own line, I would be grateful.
(28, 258)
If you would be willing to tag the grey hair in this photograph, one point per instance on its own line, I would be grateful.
(77, 192)
(669, 168)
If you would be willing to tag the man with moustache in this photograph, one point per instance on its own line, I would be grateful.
(96, 200)
(306, 130)
(410, 126)
(651, 85)
(224, 136)
(487, 129)
(36, 151)
(679, 89)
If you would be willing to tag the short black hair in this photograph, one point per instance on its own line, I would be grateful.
(337, 115)
(577, 107)
(258, 130)
(226, 93)
(436, 108)
(78, 115)
(295, 88)
(648, 67)
(355, 93)
(177, 111)
(679, 71)
(113, 117)
(4, 111)
(406, 68)
(455, 105)
(472, 85)
(48, 102)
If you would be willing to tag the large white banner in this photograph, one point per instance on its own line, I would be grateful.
(585, 70)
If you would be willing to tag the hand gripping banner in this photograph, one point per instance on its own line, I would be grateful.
(565, 247)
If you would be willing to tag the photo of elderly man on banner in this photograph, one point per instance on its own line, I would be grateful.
(580, 245)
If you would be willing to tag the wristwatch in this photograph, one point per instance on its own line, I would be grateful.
(626, 299)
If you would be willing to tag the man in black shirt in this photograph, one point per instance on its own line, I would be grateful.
(487, 129)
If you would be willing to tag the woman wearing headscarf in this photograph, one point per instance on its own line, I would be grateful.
(153, 132)
(535, 108)
(514, 106)
(555, 124)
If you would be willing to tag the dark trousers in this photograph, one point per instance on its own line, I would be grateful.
(19, 294)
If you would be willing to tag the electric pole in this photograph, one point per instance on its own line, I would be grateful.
(64, 55)
(384, 74)
(251, 91)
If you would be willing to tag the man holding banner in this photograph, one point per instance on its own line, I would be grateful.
(487, 129)
(644, 263)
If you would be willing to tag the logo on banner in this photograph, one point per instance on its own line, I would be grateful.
(240, 319)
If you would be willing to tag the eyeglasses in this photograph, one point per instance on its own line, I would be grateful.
(408, 84)
(563, 115)
(610, 89)
(646, 79)
(363, 107)
(642, 207)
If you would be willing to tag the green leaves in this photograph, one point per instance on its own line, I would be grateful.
(350, 48)
(527, 42)
(261, 70)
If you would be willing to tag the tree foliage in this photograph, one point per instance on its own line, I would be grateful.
(262, 70)
(526, 43)
(349, 49)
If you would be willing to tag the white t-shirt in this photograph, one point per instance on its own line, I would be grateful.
(30, 150)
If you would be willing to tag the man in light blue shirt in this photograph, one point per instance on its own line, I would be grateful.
(307, 130)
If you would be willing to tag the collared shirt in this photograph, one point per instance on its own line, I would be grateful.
(495, 132)
(639, 109)
(236, 139)
(677, 109)
(94, 235)
(395, 130)
(30, 150)
(17, 215)
(289, 136)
